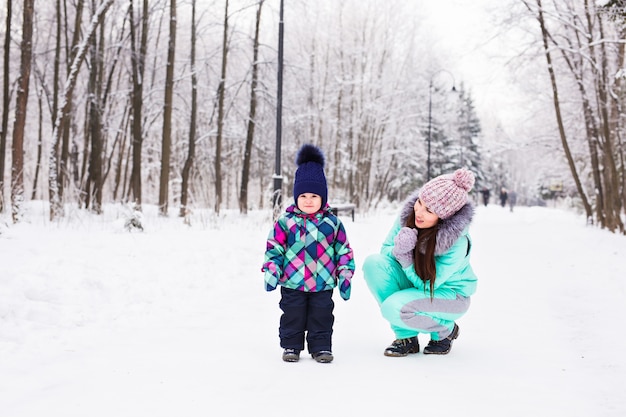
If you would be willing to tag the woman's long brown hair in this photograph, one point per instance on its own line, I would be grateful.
(424, 259)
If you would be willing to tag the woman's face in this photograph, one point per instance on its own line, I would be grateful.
(309, 203)
(424, 218)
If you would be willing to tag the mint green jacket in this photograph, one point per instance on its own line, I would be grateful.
(452, 260)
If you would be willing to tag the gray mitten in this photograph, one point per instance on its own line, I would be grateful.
(404, 243)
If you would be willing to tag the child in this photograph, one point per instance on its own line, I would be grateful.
(422, 278)
(308, 254)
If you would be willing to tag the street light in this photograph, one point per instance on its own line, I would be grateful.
(430, 113)
(278, 178)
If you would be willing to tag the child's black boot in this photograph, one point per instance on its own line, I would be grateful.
(291, 355)
(323, 356)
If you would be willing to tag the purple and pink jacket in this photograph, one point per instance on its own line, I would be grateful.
(309, 252)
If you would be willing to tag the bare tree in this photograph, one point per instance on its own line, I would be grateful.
(191, 151)
(17, 169)
(6, 98)
(56, 204)
(138, 69)
(616, 13)
(609, 115)
(108, 103)
(63, 179)
(575, 35)
(166, 144)
(94, 184)
(557, 104)
(220, 115)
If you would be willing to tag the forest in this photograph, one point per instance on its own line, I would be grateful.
(202, 104)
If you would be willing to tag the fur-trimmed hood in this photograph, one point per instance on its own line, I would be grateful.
(450, 229)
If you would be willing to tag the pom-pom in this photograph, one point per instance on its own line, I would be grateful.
(464, 179)
(310, 153)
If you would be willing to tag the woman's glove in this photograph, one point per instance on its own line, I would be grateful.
(404, 243)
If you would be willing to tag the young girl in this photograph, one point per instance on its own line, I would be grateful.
(422, 278)
(308, 255)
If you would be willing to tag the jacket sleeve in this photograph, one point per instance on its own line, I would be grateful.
(450, 265)
(275, 255)
(344, 258)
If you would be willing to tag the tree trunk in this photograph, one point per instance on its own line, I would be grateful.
(121, 153)
(5, 99)
(184, 192)
(39, 146)
(138, 66)
(245, 172)
(220, 116)
(620, 108)
(610, 117)
(94, 179)
(166, 144)
(17, 169)
(62, 162)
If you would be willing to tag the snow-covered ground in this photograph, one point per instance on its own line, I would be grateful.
(174, 321)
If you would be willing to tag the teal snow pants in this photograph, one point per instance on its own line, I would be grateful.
(410, 310)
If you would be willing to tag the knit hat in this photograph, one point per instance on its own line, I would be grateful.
(310, 176)
(446, 194)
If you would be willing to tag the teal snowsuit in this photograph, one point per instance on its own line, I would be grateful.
(405, 300)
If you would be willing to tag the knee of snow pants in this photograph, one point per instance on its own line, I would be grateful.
(384, 276)
(412, 311)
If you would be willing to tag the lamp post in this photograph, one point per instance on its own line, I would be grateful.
(430, 114)
(278, 178)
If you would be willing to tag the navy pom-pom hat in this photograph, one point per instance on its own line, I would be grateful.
(310, 176)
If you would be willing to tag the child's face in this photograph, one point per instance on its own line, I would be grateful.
(309, 203)
(424, 218)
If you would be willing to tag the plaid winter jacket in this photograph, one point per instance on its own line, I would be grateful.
(309, 252)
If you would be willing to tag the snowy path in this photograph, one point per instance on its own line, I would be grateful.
(95, 322)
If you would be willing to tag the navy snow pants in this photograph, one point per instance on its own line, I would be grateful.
(310, 312)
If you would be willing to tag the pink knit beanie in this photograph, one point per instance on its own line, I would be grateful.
(446, 194)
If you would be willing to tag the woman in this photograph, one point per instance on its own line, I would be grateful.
(422, 278)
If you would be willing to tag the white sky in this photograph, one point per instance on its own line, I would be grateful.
(475, 50)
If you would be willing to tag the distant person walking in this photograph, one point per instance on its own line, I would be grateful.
(512, 199)
(486, 194)
(503, 197)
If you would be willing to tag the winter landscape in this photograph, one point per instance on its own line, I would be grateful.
(100, 318)
(96, 320)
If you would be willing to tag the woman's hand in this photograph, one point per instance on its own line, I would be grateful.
(404, 243)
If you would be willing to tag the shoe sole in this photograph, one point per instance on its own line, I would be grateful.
(399, 355)
(324, 358)
(430, 352)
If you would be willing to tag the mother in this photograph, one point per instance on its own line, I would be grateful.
(422, 278)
